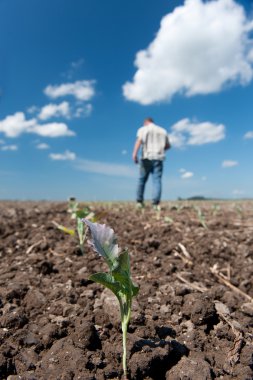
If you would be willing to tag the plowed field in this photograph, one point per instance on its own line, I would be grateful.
(193, 316)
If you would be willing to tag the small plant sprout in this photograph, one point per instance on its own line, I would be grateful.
(216, 208)
(72, 207)
(177, 207)
(118, 279)
(238, 209)
(168, 220)
(201, 217)
(157, 209)
(77, 214)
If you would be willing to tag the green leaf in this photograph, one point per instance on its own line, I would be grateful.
(135, 289)
(80, 230)
(107, 280)
(124, 262)
(82, 213)
(121, 273)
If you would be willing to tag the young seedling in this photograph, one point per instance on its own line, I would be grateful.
(77, 214)
(177, 207)
(72, 207)
(168, 220)
(118, 280)
(157, 209)
(216, 208)
(201, 217)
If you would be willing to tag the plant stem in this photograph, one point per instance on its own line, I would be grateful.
(125, 318)
(124, 359)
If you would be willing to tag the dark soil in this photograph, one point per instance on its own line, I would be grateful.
(192, 319)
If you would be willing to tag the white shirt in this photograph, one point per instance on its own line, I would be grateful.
(154, 140)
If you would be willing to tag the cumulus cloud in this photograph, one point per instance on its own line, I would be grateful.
(9, 147)
(229, 164)
(185, 132)
(42, 146)
(200, 48)
(64, 110)
(186, 175)
(55, 110)
(105, 168)
(53, 130)
(248, 135)
(15, 125)
(82, 90)
(66, 156)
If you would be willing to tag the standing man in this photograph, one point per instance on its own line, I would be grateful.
(154, 141)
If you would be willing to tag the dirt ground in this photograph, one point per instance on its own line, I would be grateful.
(192, 319)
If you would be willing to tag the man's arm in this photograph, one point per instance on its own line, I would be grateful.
(136, 150)
(167, 144)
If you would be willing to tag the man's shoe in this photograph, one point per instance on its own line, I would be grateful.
(139, 205)
(157, 207)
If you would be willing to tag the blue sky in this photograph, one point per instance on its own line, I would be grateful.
(78, 78)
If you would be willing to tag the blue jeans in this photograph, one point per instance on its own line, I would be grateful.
(155, 167)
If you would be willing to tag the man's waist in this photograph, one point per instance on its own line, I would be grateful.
(153, 156)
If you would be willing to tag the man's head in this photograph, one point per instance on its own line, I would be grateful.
(148, 120)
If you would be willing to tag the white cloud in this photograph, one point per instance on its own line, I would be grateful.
(124, 152)
(15, 125)
(53, 130)
(81, 90)
(187, 175)
(229, 164)
(105, 168)
(42, 146)
(66, 156)
(204, 178)
(200, 48)
(9, 147)
(248, 135)
(185, 132)
(83, 111)
(64, 110)
(55, 110)
(2, 141)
